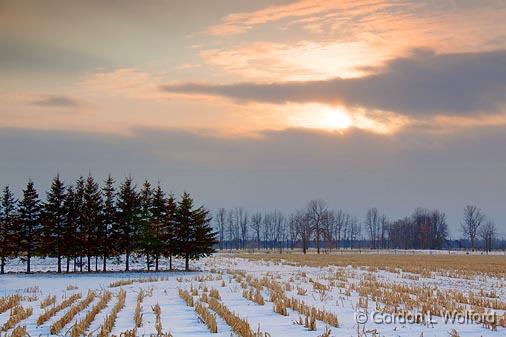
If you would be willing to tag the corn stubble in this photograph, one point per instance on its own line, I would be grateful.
(17, 314)
(80, 328)
(50, 312)
(110, 320)
(71, 313)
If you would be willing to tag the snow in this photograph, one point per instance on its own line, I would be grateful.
(181, 320)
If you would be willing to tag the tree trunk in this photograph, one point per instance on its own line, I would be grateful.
(89, 263)
(147, 262)
(186, 262)
(104, 263)
(68, 264)
(81, 264)
(59, 264)
(156, 263)
(2, 266)
(170, 262)
(29, 257)
(318, 240)
(127, 266)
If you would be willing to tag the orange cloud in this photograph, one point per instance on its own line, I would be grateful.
(352, 35)
(299, 61)
(241, 22)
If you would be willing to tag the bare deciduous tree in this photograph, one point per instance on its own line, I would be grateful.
(473, 218)
(292, 231)
(231, 228)
(316, 210)
(220, 219)
(267, 230)
(354, 230)
(278, 220)
(372, 223)
(242, 225)
(339, 226)
(256, 226)
(304, 228)
(383, 231)
(488, 233)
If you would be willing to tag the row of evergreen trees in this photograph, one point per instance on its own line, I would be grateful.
(79, 222)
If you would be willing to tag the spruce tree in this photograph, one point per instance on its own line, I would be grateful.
(128, 219)
(169, 229)
(80, 238)
(157, 225)
(69, 233)
(54, 220)
(145, 236)
(91, 219)
(8, 243)
(30, 228)
(109, 218)
(194, 235)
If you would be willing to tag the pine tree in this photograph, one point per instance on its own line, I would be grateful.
(69, 232)
(194, 235)
(169, 229)
(157, 226)
(145, 236)
(80, 237)
(8, 245)
(128, 219)
(30, 229)
(109, 218)
(54, 220)
(91, 219)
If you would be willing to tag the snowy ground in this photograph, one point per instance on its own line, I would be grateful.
(231, 276)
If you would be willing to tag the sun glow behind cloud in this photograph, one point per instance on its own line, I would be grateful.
(340, 118)
(321, 117)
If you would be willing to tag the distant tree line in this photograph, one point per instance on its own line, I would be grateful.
(83, 221)
(320, 227)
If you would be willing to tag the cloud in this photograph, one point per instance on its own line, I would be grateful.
(241, 22)
(281, 61)
(421, 84)
(57, 101)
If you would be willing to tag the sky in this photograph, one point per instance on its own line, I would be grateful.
(262, 104)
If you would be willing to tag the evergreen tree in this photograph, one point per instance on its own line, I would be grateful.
(69, 233)
(80, 237)
(157, 226)
(8, 245)
(168, 230)
(194, 235)
(91, 219)
(30, 228)
(54, 220)
(109, 218)
(128, 219)
(145, 236)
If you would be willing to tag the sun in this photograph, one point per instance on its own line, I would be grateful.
(335, 119)
(323, 117)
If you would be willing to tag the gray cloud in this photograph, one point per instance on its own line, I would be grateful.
(58, 101)
(415, 167)
(422, 84)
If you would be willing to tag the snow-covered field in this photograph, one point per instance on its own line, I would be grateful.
(362, 300)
